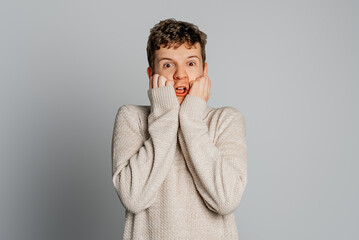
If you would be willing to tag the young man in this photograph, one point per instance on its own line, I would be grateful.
(179, 166)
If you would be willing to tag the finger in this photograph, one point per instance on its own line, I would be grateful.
(161, 81)
(170, 83)
(150, 81)
(203, 82)
(154, 80)
(209, 87)
(206, 79)
(205, 87)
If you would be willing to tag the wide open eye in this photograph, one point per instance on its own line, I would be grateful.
(192, 64)
(167, 65)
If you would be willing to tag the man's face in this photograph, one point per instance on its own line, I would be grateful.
(182, 65)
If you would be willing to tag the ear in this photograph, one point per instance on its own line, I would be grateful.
(205, 71)
(149, 72)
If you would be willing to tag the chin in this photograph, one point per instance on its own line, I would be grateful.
(180, 100)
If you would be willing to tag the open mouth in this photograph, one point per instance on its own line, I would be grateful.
(181, 90)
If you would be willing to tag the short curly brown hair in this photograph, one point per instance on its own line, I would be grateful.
(173, 33)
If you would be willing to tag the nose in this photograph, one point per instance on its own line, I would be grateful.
(180, 73)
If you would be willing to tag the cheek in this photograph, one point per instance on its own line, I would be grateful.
(196, 73)
(169, 74)
(166, 73)
(159, 71)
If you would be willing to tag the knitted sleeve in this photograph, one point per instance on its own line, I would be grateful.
(219, 169)
(140, 166)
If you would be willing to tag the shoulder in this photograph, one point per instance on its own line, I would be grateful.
(131, 110)
(134, 117)
(226, 113)
(227, 120)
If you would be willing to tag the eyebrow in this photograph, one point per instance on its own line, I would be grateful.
(165, 58)
(193, 56)
(161, 59)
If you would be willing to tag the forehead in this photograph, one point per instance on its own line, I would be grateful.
(183, 51)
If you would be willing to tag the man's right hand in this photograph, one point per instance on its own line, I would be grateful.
(157, 80)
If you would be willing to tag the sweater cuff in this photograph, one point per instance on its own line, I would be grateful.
(163, 97)
(193, 106)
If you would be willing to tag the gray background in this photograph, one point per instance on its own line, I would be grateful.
(291, 67)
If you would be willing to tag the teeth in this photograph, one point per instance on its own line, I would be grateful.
(180, 88)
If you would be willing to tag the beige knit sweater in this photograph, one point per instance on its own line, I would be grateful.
(179, 170)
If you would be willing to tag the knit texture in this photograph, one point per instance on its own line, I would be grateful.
(179, 170)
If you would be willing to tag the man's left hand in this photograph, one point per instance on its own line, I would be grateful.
(200, 87)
